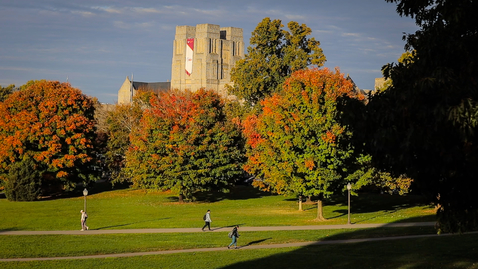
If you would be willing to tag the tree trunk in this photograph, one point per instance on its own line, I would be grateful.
(309, 200)
(300, 202)
(320, 212)
(181, 198)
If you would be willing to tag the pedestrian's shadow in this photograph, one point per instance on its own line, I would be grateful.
(126, 224)
(257, 241)
(230, 226)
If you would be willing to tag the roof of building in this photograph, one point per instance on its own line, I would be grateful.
(155, 87)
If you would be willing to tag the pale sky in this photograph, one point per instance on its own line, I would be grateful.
(95, 44)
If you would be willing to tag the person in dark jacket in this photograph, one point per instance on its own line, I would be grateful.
(235, 235)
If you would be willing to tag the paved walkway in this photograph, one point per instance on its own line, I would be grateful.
(222, 229)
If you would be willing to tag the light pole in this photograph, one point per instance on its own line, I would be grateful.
(349, 187)
(85, 193)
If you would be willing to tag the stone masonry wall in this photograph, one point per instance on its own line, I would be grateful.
(216, 50)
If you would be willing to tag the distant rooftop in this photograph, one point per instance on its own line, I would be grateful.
(155, 87)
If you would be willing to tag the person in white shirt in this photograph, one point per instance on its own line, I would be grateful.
(84, 216)
(207, 220)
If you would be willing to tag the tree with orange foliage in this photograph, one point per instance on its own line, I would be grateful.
(298, 143)
(48, 126)
(185, 143)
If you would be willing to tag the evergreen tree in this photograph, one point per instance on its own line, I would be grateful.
(23, 181)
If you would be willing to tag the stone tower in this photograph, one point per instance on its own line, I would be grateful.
(204, 55)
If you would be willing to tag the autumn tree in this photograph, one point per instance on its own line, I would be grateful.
(298, 144)
(185, 143)
(48, 128)
(273, 56)
(425, 124)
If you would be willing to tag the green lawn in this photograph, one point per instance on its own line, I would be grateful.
(27, 246)
(437, 252)
(128, 209)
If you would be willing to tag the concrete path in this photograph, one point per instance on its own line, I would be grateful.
(223, 229)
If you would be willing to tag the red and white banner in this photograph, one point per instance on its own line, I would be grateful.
(189, 56)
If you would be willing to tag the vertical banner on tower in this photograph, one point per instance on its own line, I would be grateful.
(189, 56)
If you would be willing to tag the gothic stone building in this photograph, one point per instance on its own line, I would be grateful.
(203, 56)
(129, 88)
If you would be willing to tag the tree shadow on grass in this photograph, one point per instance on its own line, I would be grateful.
(431, 251)
(239, 192)
(385, 203)
(340, 212)
(93, 188)
(10, 229)
(127, 224)
(370, 202)
(257, 241)
(229, 226)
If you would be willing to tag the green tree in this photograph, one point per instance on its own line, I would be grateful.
(23, 180)
(273, 56)
(365, 174)
(298, 144)
(6, 91)
(185, 143)
(405, 58)
(425, 124)
(120, 123)
(49, 126)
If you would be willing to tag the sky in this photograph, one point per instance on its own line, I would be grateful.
(96, 44)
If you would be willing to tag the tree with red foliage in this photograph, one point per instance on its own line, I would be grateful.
(185, 143)
(50, 126)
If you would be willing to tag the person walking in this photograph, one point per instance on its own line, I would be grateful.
(207, 220)
(234, 235)
(84, 216)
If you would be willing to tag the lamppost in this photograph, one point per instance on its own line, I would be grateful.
(85, 193)
(349, 187)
